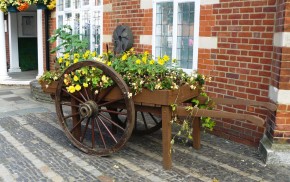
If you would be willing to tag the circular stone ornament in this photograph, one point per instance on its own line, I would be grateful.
(122, 38)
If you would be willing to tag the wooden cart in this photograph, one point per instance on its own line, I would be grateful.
(101, 122)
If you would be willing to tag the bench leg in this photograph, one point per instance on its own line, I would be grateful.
(196, 133)
(166, 136)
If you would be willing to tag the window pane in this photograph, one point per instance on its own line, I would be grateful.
(68, 18)
(96, 25)
(77, 4)
(60, 5)
(77, 23)
(67, 3)
(86, 2)
(60, 20)
(86, 27)
(96, 2)
(185, 30)
(164, 25)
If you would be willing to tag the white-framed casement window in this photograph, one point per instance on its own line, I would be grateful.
(176, 31)
(85, 17)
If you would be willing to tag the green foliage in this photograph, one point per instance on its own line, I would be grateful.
(69, 42)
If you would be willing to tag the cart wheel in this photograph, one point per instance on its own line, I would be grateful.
(85, 114)
(145, 122)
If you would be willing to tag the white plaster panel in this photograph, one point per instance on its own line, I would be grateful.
(107, 8)
(146, 39)
(207, 42)
(107, 38)
(279, 96)
(205, 2)
(146, 4)
(53, 14)
(282, 39)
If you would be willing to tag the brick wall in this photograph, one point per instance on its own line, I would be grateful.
(128, 12)
(241, 65)
(52, 27)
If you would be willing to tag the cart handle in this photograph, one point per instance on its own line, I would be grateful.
(244, 102)
(196, 112)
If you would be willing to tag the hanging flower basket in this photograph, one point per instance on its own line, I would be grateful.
(12, 9)
(23, 6)
(41, 6)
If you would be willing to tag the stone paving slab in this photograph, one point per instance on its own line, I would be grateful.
(34, 148)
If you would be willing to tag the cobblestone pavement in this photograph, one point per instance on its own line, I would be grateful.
(34, 148)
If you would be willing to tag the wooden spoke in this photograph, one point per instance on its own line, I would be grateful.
(107, 91)
(110, 133)
(101, 134)
(71, 115)
(83, 96)
(93, 132)
(83, 135)
(144, 120)
(113, 112)
(77, 125)
(111, 121)
(154, 119)
(86, 93)
(110, 102)
(72, 95)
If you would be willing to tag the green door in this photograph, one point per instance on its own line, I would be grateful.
(27, 53)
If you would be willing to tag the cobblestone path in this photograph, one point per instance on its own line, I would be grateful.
(34, 148)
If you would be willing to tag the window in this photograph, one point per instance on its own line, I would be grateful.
(85, 18)
(176, 31)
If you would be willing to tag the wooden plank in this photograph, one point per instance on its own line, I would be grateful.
(181, 111)
(244, 102)
(49, 88)
(166, 137)
(196, 132)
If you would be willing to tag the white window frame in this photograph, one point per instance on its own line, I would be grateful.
(90, 8)
(174, 41)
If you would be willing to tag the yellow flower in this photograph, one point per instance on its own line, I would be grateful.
(166, 58)
(105, 79)
(67, 63)
(78, 87)
(151, 61)
(144, 59)
(85, 84)
(86, 55)
(160, 61)
(93, 54)
(124, 57)
(66, 56)
(65, 81)
(146, 53)
(76, 60)
(109, 63)
(76, 55)
(71, 89)
(60, 60)
(138, 61)
(93, 68)
(76, 78)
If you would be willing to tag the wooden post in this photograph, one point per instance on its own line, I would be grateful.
(196, 132)
(77, 132)
(166, 136)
